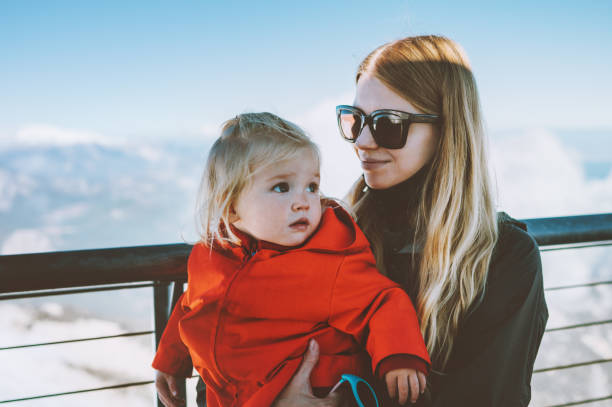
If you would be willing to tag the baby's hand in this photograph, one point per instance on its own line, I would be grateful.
(401, 382)
(167, 389)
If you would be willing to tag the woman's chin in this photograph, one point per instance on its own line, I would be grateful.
(387, 179)
(377, 182)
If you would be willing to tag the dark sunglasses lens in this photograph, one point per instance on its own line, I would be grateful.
(350, 124)
(388, 131)
(365, 395)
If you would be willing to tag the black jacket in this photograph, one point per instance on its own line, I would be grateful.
(493, 356)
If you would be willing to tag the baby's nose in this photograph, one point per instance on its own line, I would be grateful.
(300, 203)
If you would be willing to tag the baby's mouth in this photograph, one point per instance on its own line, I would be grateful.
(300, 223)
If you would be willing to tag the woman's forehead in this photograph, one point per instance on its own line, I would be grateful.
(371, 94)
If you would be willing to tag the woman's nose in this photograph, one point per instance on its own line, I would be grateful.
(365, 141)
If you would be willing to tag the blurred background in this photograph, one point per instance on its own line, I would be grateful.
(107, 111)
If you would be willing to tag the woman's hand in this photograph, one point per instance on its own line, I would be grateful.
(167, 389)
(298, 392)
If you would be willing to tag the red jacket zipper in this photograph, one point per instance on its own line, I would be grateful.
(242, 265)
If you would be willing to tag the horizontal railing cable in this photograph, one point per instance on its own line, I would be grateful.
(118, 386)
(96, 338)
(563, 328)
(67, 393)
(573, 365)
(70, 291)
(587, 401)
(565, 287)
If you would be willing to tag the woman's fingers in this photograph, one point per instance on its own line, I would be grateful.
(301, 379)
(298, 392)
(334, 399)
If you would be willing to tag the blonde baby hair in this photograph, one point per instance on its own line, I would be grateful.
(248, 143)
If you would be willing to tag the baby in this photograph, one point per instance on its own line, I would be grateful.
(277, 266)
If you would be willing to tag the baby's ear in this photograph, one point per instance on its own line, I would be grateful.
(233, 216)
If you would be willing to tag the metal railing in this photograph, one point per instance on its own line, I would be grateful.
(163, 267)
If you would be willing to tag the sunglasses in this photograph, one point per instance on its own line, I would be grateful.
(389, 127)
(364, 394)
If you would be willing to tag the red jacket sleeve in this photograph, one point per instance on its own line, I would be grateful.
(172, 355)
(401, 362)
(375, 310)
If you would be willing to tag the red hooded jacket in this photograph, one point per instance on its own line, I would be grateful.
(249, 312)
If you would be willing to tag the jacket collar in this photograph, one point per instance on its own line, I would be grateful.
(337, 232)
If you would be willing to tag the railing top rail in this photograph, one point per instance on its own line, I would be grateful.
(571, 229)
(44, 271)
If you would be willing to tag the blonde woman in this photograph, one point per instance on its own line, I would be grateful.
(425, 202)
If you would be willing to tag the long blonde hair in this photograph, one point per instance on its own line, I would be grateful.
(455, 218)
(248, 143)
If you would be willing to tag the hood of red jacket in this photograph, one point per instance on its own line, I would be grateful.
(337, 232)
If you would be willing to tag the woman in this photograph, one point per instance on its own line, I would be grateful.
(425, 203)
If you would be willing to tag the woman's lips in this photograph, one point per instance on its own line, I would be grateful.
(372, 164)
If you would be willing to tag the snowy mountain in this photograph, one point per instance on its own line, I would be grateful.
(89, 195)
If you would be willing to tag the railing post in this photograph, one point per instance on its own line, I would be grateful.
(165, 296)
(161, 303)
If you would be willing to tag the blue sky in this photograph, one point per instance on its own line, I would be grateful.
(164, 69)
(163, 72)
(155, 73)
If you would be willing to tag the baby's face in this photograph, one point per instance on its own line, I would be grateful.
(282, 203)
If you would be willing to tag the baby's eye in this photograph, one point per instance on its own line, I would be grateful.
(313, 187)
(281, 187)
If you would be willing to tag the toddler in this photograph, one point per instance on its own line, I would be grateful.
(279, 265)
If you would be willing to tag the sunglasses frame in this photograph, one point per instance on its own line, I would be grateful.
(368, 119)
(353, 381)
